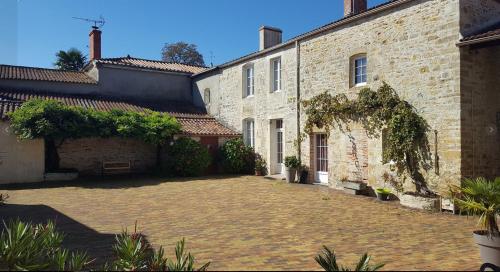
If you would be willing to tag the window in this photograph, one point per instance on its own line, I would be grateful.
(321, 153)
(249, 80)
(206, 96)
(358, 70)
(249, 132)
(276, 74)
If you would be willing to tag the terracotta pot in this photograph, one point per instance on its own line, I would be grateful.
(489, 247)
(258, 172)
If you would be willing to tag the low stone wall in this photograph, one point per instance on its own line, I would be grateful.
(87, 155)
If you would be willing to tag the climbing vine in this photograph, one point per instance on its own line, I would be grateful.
(406, 145)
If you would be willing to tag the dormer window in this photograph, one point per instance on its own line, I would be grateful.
(359, 73)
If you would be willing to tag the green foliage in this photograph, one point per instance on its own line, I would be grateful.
(260, 164)
(71, 60)
(481, 197)
(292, 162)
(383, 191)
(406, 145)
(133, 253)
(237, 158)
(182, 52)
(187, 158)
(328, 261)
(50, 119)
(24, 246)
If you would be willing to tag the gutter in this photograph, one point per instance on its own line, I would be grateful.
(479, 40)
(343, 21)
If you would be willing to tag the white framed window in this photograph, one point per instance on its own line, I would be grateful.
(359, 73)
(248, 75)
(276, 74)
(206, 96)
(249, 132)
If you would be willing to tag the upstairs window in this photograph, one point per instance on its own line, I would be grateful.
(358, 70)
(276, 75)
(206, 96)
(249, 132)
(249, 81)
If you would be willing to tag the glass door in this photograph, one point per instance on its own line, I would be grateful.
(321, 142)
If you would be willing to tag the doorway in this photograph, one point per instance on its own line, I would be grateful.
(321, 158)
(277, 146)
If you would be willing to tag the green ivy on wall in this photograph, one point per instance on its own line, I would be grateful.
(406, 145)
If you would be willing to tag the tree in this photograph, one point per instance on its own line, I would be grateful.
(71, 60)
(183, 53)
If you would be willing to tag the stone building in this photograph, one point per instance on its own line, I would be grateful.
(442, 56)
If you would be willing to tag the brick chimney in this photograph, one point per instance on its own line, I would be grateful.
(269, 37)
(353, 7)
(95, 43)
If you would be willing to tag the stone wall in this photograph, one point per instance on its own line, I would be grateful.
(21, 161)
(412, 48)
(87, 155)
(480, 87)
(230, 107)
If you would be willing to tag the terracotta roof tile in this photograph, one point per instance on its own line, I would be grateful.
(491, 31)
(153, 64)
(193, 123)
(42, 74)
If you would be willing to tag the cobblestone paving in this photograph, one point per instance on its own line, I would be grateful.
(251, 223)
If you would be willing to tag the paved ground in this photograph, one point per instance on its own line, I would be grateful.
(251, 223)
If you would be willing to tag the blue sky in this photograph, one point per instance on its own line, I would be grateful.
(34, 30)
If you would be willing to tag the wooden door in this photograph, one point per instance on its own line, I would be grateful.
(212, 144)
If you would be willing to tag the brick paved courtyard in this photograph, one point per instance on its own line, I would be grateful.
(250, 223)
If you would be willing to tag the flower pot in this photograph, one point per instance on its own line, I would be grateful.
(290, 174)
(303, 176)
(258, 172)
(489, 247)
(383, 197)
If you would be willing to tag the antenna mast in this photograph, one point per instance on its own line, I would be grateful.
(97, 23)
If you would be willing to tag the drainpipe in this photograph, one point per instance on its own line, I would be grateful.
(299, 148)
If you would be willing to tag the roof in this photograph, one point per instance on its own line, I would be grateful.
(194, 121)
(152, 65)
(43, 74)
(484, 35)
(332, 25)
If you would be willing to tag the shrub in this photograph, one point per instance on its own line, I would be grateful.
(292, 162)
(482, 197)
(237, 158)
(133, 253)
(187, 157)
(260, 164)
(24, 246)
(328, 261)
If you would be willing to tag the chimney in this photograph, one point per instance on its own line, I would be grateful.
(95, 43)
(353, 7)
(269, 37)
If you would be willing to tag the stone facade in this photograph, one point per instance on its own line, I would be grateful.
(412, 47)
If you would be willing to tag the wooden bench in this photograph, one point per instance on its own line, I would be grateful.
(110, 168)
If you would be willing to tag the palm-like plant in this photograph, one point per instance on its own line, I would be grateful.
(328, 261)
(71, 60)
(482, 197)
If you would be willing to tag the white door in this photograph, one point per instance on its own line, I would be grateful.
(279, 146)
(321, 174)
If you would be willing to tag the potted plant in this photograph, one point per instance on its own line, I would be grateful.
(291, 165)
(383, 194)
(303, 174)
(260, 165)
(482, 197)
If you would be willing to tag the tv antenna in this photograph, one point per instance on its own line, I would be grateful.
(97, 23)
